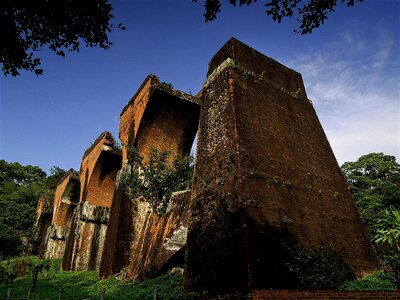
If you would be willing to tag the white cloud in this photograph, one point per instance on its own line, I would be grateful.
(355, 94)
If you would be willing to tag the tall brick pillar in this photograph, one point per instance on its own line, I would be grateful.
(265, 176)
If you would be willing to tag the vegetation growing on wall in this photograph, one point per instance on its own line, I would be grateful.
(157, 179)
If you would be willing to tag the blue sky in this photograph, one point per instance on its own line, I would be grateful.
(350, 67)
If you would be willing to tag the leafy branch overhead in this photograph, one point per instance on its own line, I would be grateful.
(61, 25)
(310, 13)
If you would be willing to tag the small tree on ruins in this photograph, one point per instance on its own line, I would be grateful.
(157, 179)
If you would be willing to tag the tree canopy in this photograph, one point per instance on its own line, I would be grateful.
(61, 25)
(310, 13)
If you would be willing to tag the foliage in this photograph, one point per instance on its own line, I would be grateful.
(376, 281)
(61, 25)
(318, 268)
(374, 181)
(83, 285)
(157, 179)
(19, 266)
(389, 229)
(167, 84)
(311, 14)
(20, 188)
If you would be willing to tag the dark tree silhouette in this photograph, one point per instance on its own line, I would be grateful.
(311, 13)
(27, 26)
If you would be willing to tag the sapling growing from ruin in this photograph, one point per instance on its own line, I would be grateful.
(158, 177)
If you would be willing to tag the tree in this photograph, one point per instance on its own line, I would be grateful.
(311, 13)
(61, 25)
(374, 181)
(20, 188)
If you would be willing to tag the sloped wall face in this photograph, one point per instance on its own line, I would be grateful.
(162, 240)
(265, 176)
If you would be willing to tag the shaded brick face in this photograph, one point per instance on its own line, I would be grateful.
(265, 176)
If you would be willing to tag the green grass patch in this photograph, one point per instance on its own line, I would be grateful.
(375, 281)
(86, 285)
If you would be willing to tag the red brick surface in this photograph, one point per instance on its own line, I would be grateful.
(265, 176)
(324, 295)
(155, 117)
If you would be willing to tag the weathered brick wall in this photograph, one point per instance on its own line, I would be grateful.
(127, 218)
(100, 187)
(66, 195)
(44, 215)
(265, 176)
(162, 237)
(99, 168)
(132, 113)
(89, 234)
(317, 295)
(93, 161)
(66, 198)
(156, 117)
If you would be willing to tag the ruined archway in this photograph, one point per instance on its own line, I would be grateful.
(99, 168)
(158, 117)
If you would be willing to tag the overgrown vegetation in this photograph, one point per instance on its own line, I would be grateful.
(157, 179)
(20, 188)
(86, 285)
(374, 181)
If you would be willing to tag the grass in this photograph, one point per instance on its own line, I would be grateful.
(86, 285)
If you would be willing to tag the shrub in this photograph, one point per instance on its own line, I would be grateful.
(317, 268)
(157, 179)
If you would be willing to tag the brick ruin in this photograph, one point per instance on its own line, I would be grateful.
(99, 168)
(65, 200)
(265, 177)
(156, 117)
